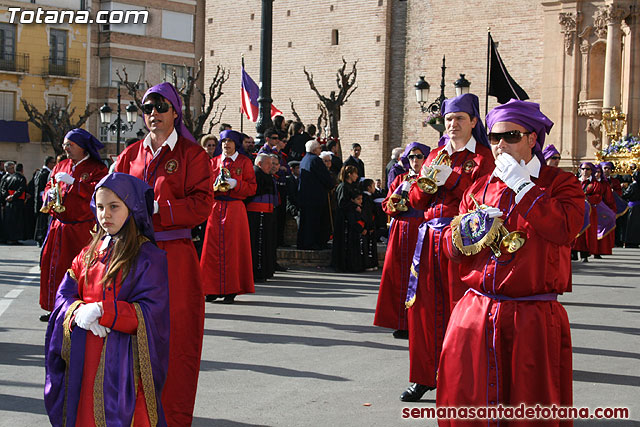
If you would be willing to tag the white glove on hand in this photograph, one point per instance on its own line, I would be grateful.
(405, 187)
(65, 177)
(99, 330)
(444, 172)
(232, 183)
(156, 207)
(86, 314)
(492, 212)
(514, 174)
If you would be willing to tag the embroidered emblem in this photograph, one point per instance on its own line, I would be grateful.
(468, 166)
(171, 166)
(239, 171)
(84, 177)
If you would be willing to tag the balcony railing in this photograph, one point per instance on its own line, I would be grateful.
(18, 62)
(61, 67)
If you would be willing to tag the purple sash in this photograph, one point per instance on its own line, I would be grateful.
(634, 203)
(606, 220)
(225, 199)
(621, 205)
(497, 297)
(437, 224)
(587, 222)
(182, 233)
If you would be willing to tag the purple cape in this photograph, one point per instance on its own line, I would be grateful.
(136, 194)
(87, 141)
(146, 284)
(526, 114)
(423, 149)
(171, 94)
(467, 103)
(549, 151)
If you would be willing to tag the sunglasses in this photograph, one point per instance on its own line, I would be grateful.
(555, 157)
(415, 156)
(161, 107)
(511, 137)
(585, 169)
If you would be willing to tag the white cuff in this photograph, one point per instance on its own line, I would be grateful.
(524, 189)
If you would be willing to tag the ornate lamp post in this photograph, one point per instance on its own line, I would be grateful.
(462, 85)
(264, 97)
(118, 126)
(614, 122)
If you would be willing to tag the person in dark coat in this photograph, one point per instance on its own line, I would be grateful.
(632, 195)
(393, 165)
(336, 161)
(29, 202)
(354, 159)
(295, 148)
(315, 182)
(350, 232)
(42, 219)
(369, 215)
(293, 181)
(12, 192)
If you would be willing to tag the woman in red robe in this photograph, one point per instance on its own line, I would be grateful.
(69, 230)
(227, 244)
(403, 234)
(587, 243)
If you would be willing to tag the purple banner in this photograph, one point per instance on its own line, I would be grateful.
(586, 222)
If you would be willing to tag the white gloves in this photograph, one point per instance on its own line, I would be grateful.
(405, 187)
(492, 212)
(514, 174)
(87, 314)
(232, 182)
(99, 330)
(444, 172)
(156, 207)
(65, 177)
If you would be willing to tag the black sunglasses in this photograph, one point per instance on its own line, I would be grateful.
(511, 137)
(585, 169)
(415, 156)
(555, 157)
(161, 107)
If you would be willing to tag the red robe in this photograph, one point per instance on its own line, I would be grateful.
(605, 245)
(439, 286)
(507, 351)
(181, 179)
(588, 241)
(90, 290)
(69, 231)
(226, 251)
(403, 233)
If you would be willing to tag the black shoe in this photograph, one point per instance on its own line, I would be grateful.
(597, 257)
(45, 317)
(574, 256)
(415, 392)
(401, 334)
(229, 299)
(211, 298)
(280, 268)
(585, 260)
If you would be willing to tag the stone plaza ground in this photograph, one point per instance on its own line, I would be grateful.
(302, 351)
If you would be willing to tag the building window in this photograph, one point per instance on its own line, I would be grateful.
(181, 73)
(7, 47)
(7, 105)
(57, 100)
(109, 66)
(57, 52)
(177, 26)
(335, 39)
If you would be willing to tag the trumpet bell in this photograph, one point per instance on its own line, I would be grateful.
(427, 185)
(512, 242)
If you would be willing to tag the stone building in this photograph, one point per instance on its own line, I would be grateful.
(576, 58)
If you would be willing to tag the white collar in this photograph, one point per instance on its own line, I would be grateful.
(534, 166)
(74, 165)
(45, 167)
(470, 145)
(171, 141)
(233, 157)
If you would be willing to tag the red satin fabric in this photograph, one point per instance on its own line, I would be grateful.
(588, 241)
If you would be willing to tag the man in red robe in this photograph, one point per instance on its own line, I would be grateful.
(434, 286)
(227, 242)
(69, 230)
(177, 168)
(587, 243)
(508, 341)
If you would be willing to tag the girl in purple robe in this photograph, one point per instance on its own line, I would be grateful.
(107, 343)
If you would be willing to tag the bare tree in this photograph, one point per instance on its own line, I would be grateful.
(322, 118)
(55, 121)
(346, 82)
(294, 112)
(207, 113)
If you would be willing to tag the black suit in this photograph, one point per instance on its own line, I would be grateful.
(359, 164)
(315, 182)
(42, 219)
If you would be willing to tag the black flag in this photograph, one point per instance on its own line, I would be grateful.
(501, 84)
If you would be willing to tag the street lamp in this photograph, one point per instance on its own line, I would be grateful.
(462, 85)
(264, 95)
(118, 126)
(422, 93)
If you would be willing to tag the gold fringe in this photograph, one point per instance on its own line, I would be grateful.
(486, 240)
(98, 390)
(409, 304)
(66, 354)
(72, 274)
(413, 271)
(146, 372)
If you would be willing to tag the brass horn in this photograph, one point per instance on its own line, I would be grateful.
(427, 183)
(221, 183)
(397, 203)
(510, 241)
(55, 202)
